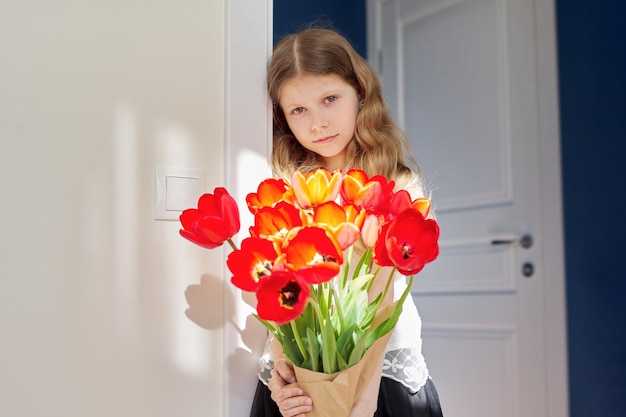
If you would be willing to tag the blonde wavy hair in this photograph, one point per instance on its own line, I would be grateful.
(379, 145)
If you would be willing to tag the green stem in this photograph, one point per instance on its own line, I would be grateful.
(389, 280)
(316, 308)
(371, 281)
(346, 266)
(232, 244)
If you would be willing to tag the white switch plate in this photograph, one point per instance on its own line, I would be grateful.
(177, 189)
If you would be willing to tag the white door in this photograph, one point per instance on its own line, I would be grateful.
(462, 78)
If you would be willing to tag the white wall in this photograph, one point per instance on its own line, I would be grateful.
(94, 96)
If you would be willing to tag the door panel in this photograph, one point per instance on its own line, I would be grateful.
(460, 77)
(454, 94)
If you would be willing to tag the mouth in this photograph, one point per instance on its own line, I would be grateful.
(325, 139)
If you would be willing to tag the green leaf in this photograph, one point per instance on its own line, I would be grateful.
(313, 345)
(345, 341)
(290, 347)
(338, 320)
(363, 266)
(387, 325)
(306, 316)
(359, 283)
(357, 352)
(370, 312)
(329, 349)
(341, 362)
(297, 337)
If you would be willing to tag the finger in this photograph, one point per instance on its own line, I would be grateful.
(300, 412)
(275, 384)
(285, 371)
(288, 391)
(295, 406)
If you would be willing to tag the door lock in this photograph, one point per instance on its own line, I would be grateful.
(528, 269)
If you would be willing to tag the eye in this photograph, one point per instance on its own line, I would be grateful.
(297, 110)
(330, 99)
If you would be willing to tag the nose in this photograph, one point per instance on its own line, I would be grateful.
(318, 122)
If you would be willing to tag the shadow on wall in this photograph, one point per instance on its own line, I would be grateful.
(202, 299)
(209, 293)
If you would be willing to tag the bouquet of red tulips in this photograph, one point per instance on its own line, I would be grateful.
(297, 260)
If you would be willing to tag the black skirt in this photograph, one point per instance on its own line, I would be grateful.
(394, 400)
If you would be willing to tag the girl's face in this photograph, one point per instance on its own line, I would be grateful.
(321, 111)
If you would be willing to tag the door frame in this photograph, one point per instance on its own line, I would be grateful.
(551, 192)
(247, 145)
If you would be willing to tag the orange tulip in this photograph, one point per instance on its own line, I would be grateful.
(275, 222)
(372, 194)
(340, 221)
(314, 254)
(269, 192)
(422, 205)
(315, 187)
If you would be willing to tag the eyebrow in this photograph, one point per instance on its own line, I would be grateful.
(328, 92)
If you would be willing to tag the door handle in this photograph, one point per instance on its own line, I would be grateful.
(526, 241)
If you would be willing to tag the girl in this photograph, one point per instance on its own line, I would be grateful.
(329, 112)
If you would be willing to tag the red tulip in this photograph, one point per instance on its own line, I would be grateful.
(282, 297)
(401, 201)
(252, 263)
(214, 221)
(409, 242)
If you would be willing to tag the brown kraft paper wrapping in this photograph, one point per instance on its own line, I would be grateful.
(334, 395)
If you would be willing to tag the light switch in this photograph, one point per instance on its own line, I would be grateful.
(177, 189)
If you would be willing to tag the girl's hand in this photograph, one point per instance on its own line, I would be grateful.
(367, 403)
(286, 393)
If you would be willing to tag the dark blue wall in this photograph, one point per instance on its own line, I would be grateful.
(592, 78)
(592, 83)
(346, 16)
